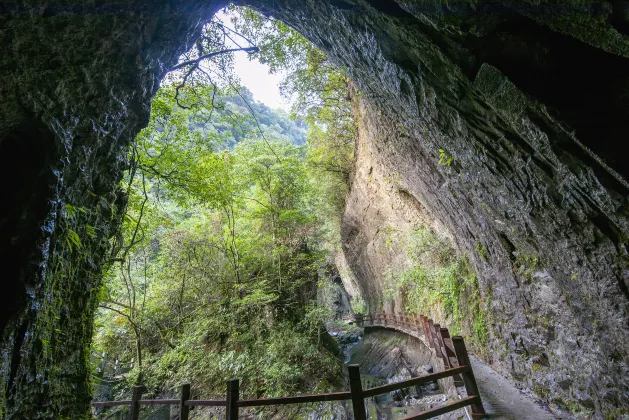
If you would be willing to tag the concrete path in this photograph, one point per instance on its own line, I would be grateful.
(502, 400)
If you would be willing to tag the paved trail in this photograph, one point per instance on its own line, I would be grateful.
(502, 400)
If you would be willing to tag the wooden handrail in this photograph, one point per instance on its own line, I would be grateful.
(448, 343)
(420, 380)
(205, 403)
(474, 399)
(303, 399)
(451, 350)
(111, 403)
(158, 402)
(299, 399)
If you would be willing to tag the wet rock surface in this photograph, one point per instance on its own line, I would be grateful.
(76, 80)
(331, 293)
(528, 98)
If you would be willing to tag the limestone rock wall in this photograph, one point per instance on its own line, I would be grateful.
(531, 114)
(76, 80)
(380, 211)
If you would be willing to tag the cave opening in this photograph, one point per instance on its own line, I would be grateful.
(493, 125)
(233, 206)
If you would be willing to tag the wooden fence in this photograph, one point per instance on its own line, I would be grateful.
(451, 350)
(438, 338)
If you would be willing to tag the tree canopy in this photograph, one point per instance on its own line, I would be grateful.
(232, 207)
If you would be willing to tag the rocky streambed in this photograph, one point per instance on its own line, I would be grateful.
(386, 357)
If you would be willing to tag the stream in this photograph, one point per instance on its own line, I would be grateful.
(386, 357)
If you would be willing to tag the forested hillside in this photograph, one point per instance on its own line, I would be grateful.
(232, 209)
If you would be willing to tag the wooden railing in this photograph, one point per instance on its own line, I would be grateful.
(436, 337)
(451, 349)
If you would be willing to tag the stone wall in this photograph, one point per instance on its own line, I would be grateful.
(529, 112)
(76, 80)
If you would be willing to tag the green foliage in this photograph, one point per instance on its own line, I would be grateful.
(216, 271)
(442, 284)
(359, 306)
(229, 216)
(481, 251)
(525, 264)
(71, 218)
(445, 158)
(72, 239)
(237, 261)
(320, 92)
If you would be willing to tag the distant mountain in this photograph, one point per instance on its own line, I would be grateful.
(238, 116)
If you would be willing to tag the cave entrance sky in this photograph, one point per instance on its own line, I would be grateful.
(256, 76)
(246, 70)
(220, 196)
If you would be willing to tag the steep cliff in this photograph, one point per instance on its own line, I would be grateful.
(527, 101)
(403, 257)
(542, 219)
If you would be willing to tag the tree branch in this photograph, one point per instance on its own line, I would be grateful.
(196, 61)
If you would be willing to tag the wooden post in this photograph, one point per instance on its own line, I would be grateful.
(184, 410)
(425, 328)
(435, 332)
(233, 395)
(359, 320)
(134, 412)
(429, 333)
(478, 411)
(458, 380)
(439, 346)
(356, 388)
(442, 334)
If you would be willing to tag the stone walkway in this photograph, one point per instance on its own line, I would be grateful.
(502, 400)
